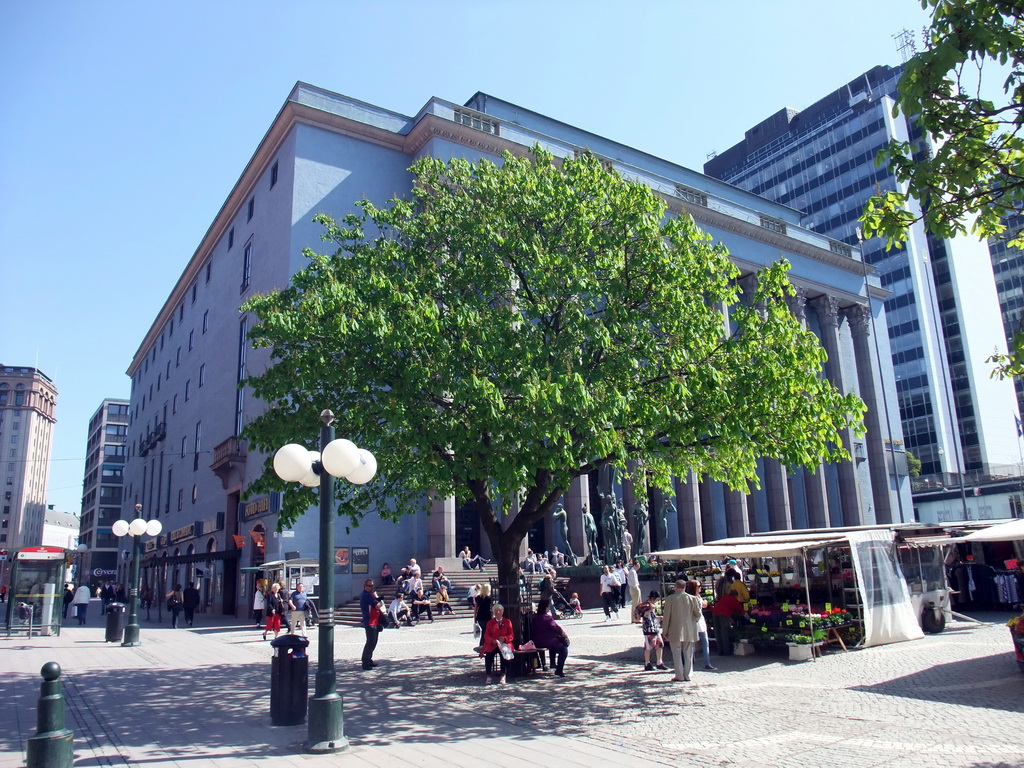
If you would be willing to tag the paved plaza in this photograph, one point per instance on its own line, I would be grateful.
(200, 697)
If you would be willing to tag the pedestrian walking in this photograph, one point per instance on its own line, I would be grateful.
(679, 629)
(189, 602)
(371, 607)
(258, 601)
(81, 603)
(609, 593)
(297, 602)
(175, 599)
(273, 608)
(69, 595)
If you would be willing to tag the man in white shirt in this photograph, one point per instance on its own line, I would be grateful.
(399, 610)
(620, 574)
(414, 569)
(633, 582)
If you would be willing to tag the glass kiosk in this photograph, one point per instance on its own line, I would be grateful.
(35, 599)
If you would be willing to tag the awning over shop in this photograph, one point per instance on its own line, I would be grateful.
(1011, 531)
(931, 541)
(718, 550)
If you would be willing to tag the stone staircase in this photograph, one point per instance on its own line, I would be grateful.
(348, 614)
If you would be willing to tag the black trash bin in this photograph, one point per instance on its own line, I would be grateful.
(115, 623)
(289, 680)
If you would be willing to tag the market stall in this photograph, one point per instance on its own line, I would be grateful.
(1011, 531)
(815, 590)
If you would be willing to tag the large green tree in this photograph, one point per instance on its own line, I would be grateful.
(512, 326)
(965, 90)
(973, 174)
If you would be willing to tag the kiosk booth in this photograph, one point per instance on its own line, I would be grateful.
(35, 598)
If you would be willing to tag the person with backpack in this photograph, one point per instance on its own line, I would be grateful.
(650, 626)
(175, 600)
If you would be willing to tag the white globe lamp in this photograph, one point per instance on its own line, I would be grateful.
(340, 457)
(365, 471)
(291, 462)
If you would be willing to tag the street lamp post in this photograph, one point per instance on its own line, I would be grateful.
(137, 528)
(294, 463)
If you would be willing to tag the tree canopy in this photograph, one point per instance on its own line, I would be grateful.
(514, 325)
(973, 173)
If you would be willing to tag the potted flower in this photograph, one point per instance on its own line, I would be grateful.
(1016, 625)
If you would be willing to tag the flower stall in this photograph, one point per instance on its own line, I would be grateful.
(815, 589)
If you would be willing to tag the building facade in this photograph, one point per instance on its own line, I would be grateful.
(189, 467)
(103, 489)
(28, 400)
(943, 313)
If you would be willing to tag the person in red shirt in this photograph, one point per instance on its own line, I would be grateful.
(498, 630)
(725, 609)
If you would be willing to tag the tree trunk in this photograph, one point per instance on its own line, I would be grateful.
(506, 552)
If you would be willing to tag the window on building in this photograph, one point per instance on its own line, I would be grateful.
(246, 265)
(231, 238)
(195, 492)
(202, 374)
(161, 341)
(251, 209)
(273, 175)
(170, 327)
(174, 404)
(181, 312)
(206, 321)
(184, 446)
(181, 498)
(167, 375)
(209, 270)
(177, 358)
(191, 339)
(197, 446)
(188, 389)
(475, 120)
(243, 330)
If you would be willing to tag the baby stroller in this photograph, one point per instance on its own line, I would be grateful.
(562, 608)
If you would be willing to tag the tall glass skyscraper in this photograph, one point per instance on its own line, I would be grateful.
(943, 312)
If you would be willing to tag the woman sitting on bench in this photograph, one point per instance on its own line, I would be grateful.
(497, 632)
(547, 634)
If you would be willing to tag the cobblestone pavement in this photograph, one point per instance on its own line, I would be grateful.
(200, 697)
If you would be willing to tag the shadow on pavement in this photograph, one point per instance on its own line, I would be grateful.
(989, 682)
(161, 714)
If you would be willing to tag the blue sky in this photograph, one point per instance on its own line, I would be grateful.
(123, 126)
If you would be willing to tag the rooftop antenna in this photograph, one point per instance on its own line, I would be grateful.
(905, 44)
(712, 155)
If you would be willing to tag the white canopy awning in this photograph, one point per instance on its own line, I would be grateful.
(1011, 531)
(719, 551)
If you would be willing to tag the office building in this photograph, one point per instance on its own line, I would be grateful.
(189, 467)
(102, 489)
(943, 313)
(28, 399)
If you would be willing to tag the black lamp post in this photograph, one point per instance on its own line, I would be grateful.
(296, 464)
(137, 528)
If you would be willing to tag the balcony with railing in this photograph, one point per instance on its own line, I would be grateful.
(228, 459)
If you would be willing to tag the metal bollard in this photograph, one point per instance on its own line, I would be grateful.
(53, 746)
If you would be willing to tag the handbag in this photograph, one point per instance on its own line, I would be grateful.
(476, 631)
(506, 651)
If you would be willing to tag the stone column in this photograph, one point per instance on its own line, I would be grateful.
(860, 327)
(827, 309)
(441, 527)
(815, 490)
(816, 493)
(737, 522)
(688, 511)
(707, 509)
(780, 516)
